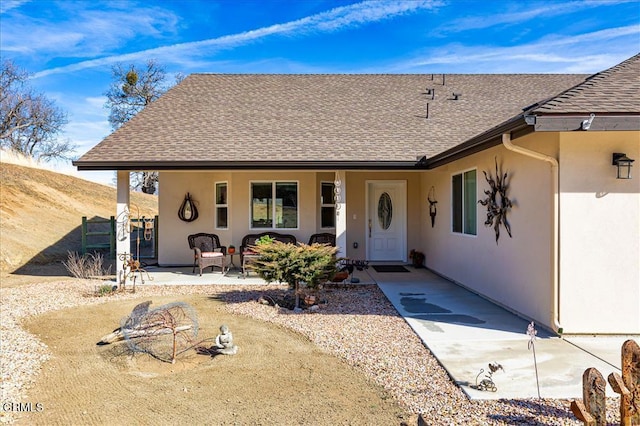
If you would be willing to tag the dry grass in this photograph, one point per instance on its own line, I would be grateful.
(89, 266)
(41, 212)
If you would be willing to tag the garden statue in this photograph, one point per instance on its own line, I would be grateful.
(224, 342)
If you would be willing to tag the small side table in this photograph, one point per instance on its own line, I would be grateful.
(231, 265)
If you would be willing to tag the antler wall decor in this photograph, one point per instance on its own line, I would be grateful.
(497, 209)
(431, 198)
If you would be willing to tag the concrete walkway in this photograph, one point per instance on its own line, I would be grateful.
(466, 332)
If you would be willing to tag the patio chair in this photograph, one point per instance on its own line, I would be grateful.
(207, 251)
(323, 238)
(247, 255)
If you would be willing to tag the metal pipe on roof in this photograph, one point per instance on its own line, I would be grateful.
(555, 307)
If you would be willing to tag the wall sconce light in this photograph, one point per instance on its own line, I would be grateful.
(623, 163)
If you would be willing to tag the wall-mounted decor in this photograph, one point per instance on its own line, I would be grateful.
(188, 211)
(431, 198)
(497, 202)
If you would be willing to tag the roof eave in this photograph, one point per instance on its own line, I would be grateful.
(517, 127)
(244, 165)
(570, 122)
(524, 124)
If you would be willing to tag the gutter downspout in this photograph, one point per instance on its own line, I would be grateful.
(506, 141)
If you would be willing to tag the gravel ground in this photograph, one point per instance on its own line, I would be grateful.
(358, 324)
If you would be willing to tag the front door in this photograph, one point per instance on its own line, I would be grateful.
(386, 220)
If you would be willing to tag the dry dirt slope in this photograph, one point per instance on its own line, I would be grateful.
(41, 213)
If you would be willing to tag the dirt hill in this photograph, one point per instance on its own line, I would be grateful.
(41, 213)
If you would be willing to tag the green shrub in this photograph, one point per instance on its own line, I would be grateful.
(105, 290)
(295, 264)
(265, 239)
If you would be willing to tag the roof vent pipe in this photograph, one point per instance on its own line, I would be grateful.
(555, 306)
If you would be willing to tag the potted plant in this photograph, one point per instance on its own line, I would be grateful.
(417, 258)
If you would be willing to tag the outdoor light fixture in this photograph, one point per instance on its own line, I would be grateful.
(624, 165)
(586, 124)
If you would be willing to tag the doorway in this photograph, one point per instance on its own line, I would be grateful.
(386, 220)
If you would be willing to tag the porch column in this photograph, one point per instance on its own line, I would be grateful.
(341, 213)
(123, 245)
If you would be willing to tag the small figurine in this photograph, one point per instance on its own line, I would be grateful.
(224, 342)
(487, 384)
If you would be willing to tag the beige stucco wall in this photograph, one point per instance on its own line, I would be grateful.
(172, 239)
(517, 271)
(173, 248)
(600, 234)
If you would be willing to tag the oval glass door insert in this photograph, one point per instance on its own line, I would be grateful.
(385, 210)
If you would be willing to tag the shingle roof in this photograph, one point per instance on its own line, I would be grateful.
(616, 90)
(226, 119)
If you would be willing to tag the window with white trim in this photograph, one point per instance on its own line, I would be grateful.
(222, 206)
(274, 205)
(327, 205)
(464, 203)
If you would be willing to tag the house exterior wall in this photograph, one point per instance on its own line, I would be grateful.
(599, 234)
(516, 272)
(173, 248)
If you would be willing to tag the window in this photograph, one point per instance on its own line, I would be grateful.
(222, 208)
(274, 205)
(463, 203)
(327, 205)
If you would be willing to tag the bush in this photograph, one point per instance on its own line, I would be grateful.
(105, 290)
(86, 267)
(295, 264)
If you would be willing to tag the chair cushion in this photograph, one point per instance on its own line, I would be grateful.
(249, 253)
(212, 254)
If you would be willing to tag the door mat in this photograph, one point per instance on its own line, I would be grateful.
(389, 268)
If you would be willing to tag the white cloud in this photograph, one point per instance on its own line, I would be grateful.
(584, 53)
(547, 9)
(84, 31)
(7, 5)
(333, 20)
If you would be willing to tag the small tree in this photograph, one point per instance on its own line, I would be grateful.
(29, 122)
(297, 265)
(131, 90)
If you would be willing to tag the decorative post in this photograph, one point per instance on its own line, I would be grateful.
(123, 220)
(532, 332)
(593, 395)
(628, 386)
(592, 410)
(341, 214)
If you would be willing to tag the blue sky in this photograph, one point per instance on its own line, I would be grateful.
(70, 46)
